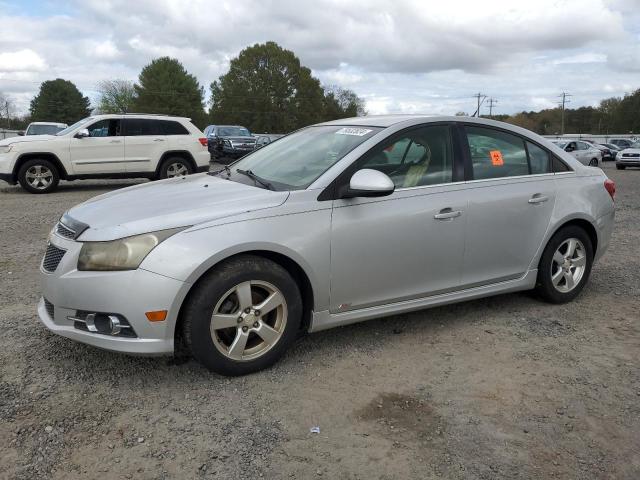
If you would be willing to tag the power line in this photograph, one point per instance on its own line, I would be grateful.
(564, 96)
(492, 102)
(481, 98)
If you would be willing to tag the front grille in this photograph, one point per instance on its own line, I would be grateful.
(631, 155)
(49, 308)
(52, 258)
(64, 231)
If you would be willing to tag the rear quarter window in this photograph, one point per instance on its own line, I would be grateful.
(171, 127)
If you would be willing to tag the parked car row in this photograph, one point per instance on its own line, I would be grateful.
(105, 146)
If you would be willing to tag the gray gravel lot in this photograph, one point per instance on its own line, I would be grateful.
(506, 387)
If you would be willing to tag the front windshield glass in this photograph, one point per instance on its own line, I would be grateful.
(635, 145)
(233, 132)
(43, 129)
(561, 144)
(295, 161)
(74, 126)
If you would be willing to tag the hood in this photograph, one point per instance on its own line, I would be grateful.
(630, 150)
(176, 202)
(25, 138)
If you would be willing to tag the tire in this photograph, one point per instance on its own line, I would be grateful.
(38, 176)
(621, 167)
(553, 284)
(175, 167)
(237, 347)
(593, 162)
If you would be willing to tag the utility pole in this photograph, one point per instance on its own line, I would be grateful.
(564, 96)
(480, 97)
(492, 102)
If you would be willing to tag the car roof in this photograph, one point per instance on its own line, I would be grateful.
(150, 116)
(57, 124)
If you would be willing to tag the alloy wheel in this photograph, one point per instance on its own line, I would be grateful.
(248, 320)
(568, 265)
(39, 177)
(177, 169)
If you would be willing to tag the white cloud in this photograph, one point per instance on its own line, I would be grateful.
(25, 60)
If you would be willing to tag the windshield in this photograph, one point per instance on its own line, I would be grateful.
(43, 129)
(635, 145)
(561, 144)
(74, 126)
(233, 132)
(295, 161)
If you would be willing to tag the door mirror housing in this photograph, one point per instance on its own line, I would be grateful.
(21, 133)
(369, 183)
(569, 148)
(83, 133)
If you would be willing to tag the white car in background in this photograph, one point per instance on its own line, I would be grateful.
(629, 157)
(44, 128)
(584, 152)
(105, 146)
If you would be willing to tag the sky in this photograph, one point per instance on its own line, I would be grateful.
(420, 56)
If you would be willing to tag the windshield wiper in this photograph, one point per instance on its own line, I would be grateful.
(224, 169)
(256, 178)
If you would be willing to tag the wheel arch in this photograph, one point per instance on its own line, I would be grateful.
(52, 157)
(185, 154)
(583, 223)
(293, 267)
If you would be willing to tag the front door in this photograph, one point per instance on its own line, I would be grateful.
(101, 152)
(510, 200)
(406, 245)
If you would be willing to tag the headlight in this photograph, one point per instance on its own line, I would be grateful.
(123, 254)
(6, 148)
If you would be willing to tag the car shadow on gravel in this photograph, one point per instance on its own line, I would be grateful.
(76, 186)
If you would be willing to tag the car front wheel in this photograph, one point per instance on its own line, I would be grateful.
(565, 265)
(242, 316)
(38, 176)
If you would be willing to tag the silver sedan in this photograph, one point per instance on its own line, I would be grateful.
(333, 224)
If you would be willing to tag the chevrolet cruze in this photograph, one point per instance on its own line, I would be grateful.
(333, 224)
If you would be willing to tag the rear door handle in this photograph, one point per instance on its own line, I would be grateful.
(447, 214)
(115, 141)
(158, 139)
(538, 198)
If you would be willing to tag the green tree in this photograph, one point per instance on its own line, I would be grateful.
(59, 101)
(116, 96)
(164, 86)
(267, 89)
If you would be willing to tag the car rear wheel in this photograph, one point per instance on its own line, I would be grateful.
(242, 316)
(38, 176)
(175, 167)
(565, 265)
(593, 162)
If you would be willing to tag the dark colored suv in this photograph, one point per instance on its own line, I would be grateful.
(229, 142)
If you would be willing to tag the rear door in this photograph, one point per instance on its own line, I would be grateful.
(101, 152)
(511, 196)
(144, 144)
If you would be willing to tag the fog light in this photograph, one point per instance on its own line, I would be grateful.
(156, 316)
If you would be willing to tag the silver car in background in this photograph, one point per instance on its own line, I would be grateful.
(584, 152)
(333, 224)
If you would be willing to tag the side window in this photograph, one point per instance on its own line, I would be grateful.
(171, 127)
(422, 156)
(582, 146)
(136, 127)
(105, 128)
(559, 166)
(538, 159)
(496, 154)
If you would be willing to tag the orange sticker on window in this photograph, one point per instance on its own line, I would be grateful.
(496, 158)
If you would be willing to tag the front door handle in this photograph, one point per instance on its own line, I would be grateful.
(447, 214)
(158, 139)
(538, 198)
(115, 141)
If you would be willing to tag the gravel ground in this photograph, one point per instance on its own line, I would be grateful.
(506, 387)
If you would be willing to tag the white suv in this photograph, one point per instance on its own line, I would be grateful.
(105, 146)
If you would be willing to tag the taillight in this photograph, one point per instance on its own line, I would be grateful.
(203, 141)
(610, 187)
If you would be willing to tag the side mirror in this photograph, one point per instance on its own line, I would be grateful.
(369, 183)
(82, 133)
(569, 148)
(21, 133)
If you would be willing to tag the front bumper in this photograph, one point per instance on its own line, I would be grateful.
(8, 177)
(628, 162)
(128, 294)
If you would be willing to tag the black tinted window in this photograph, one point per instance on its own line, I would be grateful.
(105, 128)
(173, 128)
(422, 156)
(538, 159)
(496, 154)
(134, 127)
(559, 165)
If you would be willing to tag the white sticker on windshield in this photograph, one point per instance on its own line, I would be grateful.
(358, 132)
